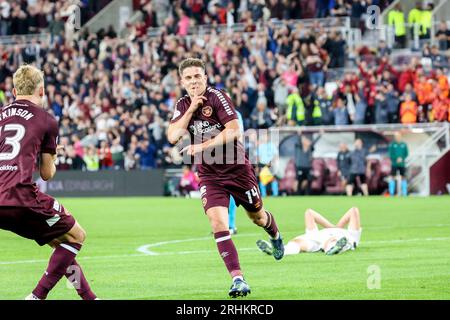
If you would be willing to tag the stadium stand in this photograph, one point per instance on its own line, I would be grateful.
(22, 17)
(114, 95)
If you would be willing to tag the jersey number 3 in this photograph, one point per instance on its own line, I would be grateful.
(13, 141)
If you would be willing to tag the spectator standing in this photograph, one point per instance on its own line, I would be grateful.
(105, 156)
(358, 169)
(393, 102)
(295, 113)
(304, 149)
(322, 101)
(398, 152)
(343, 163)
(189, 182)
(408, 110)
(381, 108)
(443, 36)
(361, 103)
(146, 153)
(261, 117)
(91, 160)
(396, 19)
(426, 19)
(415, 19)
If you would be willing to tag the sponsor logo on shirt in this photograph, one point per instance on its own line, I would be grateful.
(202, 127)
(8, 168)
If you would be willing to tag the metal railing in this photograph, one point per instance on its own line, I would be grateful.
(425, 155)
(393, 127)
(103, 20)
(326, 23)
(352, 36)
(26, 39)
(387, 32)
(421, 158)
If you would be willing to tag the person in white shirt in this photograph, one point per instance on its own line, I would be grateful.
(332, 239)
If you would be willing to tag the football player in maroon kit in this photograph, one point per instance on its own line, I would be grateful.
(27, 131)
(223, 166)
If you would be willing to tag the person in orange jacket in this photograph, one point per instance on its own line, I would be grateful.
(408, 110)
(440, 108)
(442, 84)
(424, 90)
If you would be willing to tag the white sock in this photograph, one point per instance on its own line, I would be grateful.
(238, 277)
(291, 248)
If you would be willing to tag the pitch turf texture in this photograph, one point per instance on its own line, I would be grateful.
(404, 241)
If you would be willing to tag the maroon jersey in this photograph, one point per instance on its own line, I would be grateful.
(26, 130)
(207, 122)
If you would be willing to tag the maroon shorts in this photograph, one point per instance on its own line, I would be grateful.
(41, 223)
(244, 189)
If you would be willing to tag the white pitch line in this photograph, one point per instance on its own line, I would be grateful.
(78, 258)
(146, 253)
(407, 240)
(145, 248)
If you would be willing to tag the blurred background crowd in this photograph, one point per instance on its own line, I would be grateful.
(113, 97)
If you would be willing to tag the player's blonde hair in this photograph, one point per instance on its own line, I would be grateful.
(191, 62)
(27, 79)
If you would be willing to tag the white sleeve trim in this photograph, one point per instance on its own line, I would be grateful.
(223, 101)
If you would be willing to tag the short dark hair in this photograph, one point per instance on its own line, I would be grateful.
(191, 62)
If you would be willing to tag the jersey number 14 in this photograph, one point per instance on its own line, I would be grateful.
(252, 192)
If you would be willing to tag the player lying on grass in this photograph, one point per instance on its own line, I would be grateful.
(333, 239)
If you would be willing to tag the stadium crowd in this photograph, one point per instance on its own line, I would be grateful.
(179, 16)
(113, 98)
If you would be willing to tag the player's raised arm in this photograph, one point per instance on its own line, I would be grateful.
(313, 217)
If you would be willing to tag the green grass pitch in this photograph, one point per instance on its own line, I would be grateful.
(406, 239)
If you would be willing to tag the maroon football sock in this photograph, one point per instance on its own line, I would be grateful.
(79, 281)
(271, 226)
(61, 259)
(228, 252)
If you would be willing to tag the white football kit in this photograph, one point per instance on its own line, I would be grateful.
(316, 238)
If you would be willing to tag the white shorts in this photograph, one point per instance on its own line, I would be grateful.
(315, 239)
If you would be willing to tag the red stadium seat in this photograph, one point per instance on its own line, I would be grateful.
(318, 175)
(287, 184)
(375, 178)
(333, 183)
